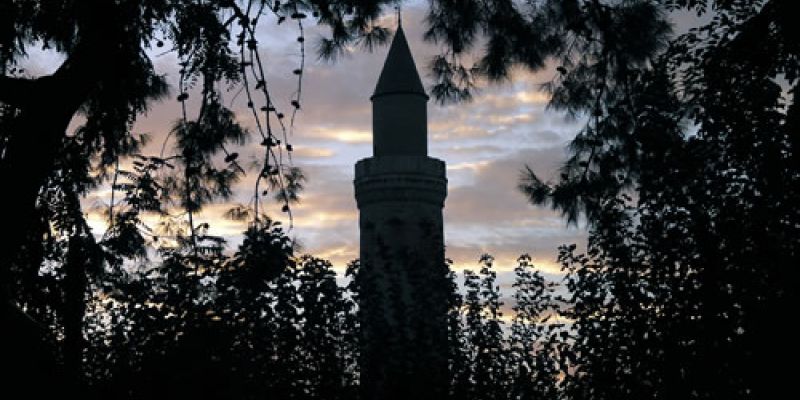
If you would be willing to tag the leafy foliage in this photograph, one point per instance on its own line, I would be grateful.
(296, 334)
(684, 172)
(108, 78)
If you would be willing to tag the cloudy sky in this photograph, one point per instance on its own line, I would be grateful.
(485, 143)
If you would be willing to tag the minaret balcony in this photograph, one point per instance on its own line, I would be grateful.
(418, 179)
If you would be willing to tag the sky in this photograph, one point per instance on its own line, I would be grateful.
(486, 143)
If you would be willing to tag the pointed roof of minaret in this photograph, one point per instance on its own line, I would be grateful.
(399, 74)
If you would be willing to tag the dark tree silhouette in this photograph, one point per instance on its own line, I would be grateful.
(278, 328)
(107, 77)
(492, 359)
(686, 172)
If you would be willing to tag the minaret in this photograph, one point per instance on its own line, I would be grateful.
(404, 289)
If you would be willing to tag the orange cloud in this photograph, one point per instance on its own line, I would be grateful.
(322, 219)
(338, 255)
(472, 166)
(313, 152)
(341, 134)
(532, 97)
(510, 119)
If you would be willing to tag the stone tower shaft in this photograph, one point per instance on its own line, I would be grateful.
(400, 193)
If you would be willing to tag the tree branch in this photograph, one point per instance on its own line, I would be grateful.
(237, 11)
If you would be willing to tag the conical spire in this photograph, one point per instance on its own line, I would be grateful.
(399, 105)
(399, 74)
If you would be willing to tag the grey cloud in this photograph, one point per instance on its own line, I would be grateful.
(490, 140)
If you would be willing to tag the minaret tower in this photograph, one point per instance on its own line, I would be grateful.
(404, 289)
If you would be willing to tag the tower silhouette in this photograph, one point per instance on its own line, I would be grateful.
(400, 193)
